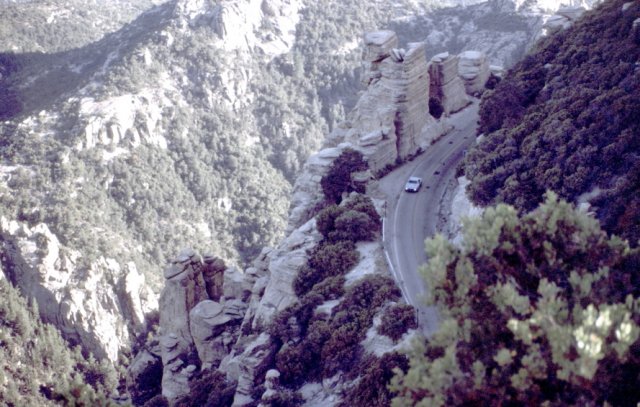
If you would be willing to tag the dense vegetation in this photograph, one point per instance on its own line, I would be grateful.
(338, 179)
(397, 320)
(567, 119)
(224, 182)
(541, 309)
(48, 26)
(341, 227)
(315, 345)
(36, 365)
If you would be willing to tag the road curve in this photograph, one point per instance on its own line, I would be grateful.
(412, 217)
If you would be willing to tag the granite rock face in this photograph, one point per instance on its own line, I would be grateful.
(284, 264)
(446, 86)
(307, 191)
(100, 305)
(391, 120)
(473, 68)
(196, 319)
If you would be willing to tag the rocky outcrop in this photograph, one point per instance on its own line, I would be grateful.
(251, 17)
(122, 121)
(144, 375)
(564, 17)
(100, 305)
(391, 120)
(284, 264)
(461, 208)
(473, 68)
(389, 124)
(248, 367)
(307, 190)
(198, 324)
(446, 86)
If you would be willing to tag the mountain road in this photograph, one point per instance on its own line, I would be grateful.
(412, 217)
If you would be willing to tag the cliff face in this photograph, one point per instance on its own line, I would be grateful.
(100, 305)
(206, 325)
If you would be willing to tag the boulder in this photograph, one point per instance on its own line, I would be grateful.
(556, 21)
(307, 191)
(572, 13)
(209, 322)
(378, 45)
(473, 68)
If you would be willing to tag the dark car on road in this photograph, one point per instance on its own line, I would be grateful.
(413, 184)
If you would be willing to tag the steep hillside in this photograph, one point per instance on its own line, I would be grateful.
(184, 127)
(54, 26)
(567, 119)
(36, 365)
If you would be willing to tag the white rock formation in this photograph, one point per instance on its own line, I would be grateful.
(563, 18)
(128, 120)
(391, 120)
(473, 68)
(195, 316)
(245, 367)
(101, 305)
(307, 190)
(249, 17)
(446, 85)
(284, 264)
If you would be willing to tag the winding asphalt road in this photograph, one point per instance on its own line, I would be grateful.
(412, 217)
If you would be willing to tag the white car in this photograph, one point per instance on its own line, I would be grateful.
(413, 184)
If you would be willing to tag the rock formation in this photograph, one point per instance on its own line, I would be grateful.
(446, 86)
(391, 121)
(198, 324)
(473, 68)
(564, 17)
(284, 264)
(100, 305)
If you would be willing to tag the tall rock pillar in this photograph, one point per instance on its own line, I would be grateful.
(446, 86)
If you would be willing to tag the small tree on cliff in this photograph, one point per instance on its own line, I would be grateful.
(543, 309)
(338, 180)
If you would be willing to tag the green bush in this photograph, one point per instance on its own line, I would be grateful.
(351, 319)
(325, 260)
(354, 226)
(338, 180)
(330, 288)
(372, 388)
(157, 401)
(538, 309)
(435, 108)
(356, 219)
(284, 398)
(325, 219)
(209, 388)
(397, 320)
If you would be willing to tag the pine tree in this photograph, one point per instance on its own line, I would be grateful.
(543, 308)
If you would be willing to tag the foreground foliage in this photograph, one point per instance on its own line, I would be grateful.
(36, 365)
(539, 309)
(567, 118)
